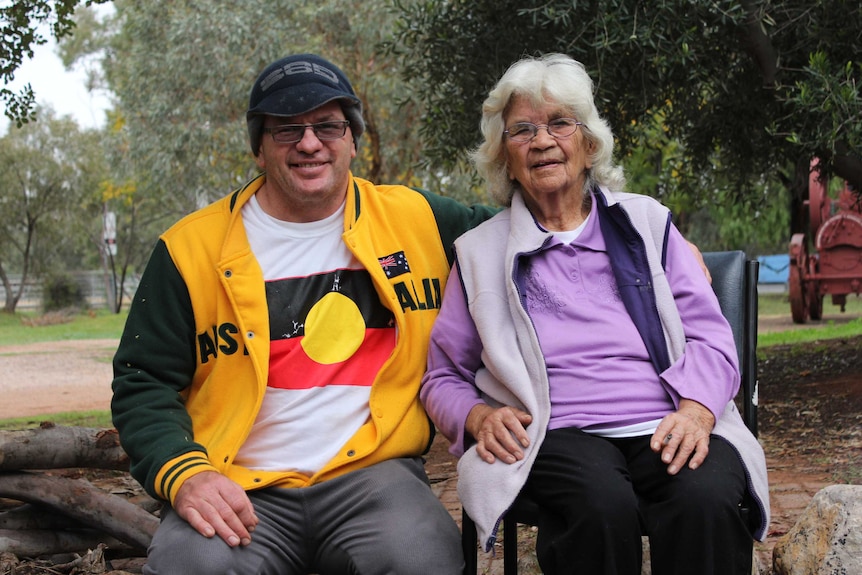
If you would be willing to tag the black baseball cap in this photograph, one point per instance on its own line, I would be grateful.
(298, 84)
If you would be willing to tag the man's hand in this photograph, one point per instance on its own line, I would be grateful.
(216, 505)
(499, 433)
(684, 434)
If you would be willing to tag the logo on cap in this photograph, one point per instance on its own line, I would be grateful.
(297, 68)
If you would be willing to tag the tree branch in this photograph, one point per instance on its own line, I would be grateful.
(758, 45)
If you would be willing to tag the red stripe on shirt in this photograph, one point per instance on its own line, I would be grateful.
(291, 368)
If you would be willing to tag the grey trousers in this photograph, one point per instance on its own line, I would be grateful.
(380, 520)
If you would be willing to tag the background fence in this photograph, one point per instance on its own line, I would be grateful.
(94, 286)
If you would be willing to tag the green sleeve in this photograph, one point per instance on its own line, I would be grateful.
(454, 218)
(154, 363)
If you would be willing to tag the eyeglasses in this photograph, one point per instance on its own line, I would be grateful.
(524, 132)
(292, 133)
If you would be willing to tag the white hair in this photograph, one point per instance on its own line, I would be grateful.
(556, 78)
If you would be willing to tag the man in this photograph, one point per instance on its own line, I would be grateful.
(266, 384)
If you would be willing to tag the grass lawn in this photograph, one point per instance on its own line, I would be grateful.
(23, 328)
(771, 305)
(779, 304)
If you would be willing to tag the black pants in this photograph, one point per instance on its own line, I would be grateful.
(599, 496)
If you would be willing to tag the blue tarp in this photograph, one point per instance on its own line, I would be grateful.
(774, 269)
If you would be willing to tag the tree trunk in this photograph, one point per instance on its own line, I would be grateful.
(758, 44)
(798, 196)
(9, 299)
(848, 166)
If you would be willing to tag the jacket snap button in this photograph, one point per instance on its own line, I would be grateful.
(228, 273)
(351, 453)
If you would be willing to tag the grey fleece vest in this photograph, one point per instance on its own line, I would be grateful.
(514, 371)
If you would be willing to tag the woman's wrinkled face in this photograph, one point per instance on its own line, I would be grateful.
(546, 165)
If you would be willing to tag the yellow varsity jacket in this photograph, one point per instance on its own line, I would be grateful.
(191, 368)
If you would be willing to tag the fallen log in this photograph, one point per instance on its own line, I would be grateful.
(38, 542)
(79, 499)
(27, 517)
(57, 447)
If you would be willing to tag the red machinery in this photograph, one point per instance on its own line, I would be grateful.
(835, 267)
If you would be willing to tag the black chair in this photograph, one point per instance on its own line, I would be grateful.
(734, 280)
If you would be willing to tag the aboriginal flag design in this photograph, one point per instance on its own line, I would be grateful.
(327, 329)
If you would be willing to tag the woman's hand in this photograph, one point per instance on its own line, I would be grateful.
(684, 436)
(500, 433)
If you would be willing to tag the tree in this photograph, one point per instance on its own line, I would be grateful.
(351, 33)
(717, 217)
(19, 24)
(747, 88)
(44, 178)
(208, 53)
(181, 74)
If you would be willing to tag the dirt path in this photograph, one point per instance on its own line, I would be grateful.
(44, 378)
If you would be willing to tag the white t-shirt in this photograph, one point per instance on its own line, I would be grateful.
(329, 335)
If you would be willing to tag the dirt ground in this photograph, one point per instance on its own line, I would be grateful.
(52, 377)
(810, 413)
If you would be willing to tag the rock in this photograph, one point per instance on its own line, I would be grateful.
(827, 537)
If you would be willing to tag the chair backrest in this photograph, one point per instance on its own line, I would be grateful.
(734, 280)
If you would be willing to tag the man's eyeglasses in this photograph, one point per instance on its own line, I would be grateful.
(524, 132)
(292, 133)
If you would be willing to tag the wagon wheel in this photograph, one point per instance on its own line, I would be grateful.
(798, 309)
(795, 286)
(812, 295)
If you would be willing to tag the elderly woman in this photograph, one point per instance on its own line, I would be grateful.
(580, 356)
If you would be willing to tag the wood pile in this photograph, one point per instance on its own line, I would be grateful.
(66, 490)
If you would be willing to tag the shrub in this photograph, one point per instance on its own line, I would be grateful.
(61, 291)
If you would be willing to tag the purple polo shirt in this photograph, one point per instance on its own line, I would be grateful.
(601, 377)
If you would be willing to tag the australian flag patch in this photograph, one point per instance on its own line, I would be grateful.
(395, 264)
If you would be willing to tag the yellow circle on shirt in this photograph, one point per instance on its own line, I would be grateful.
(334, 329)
